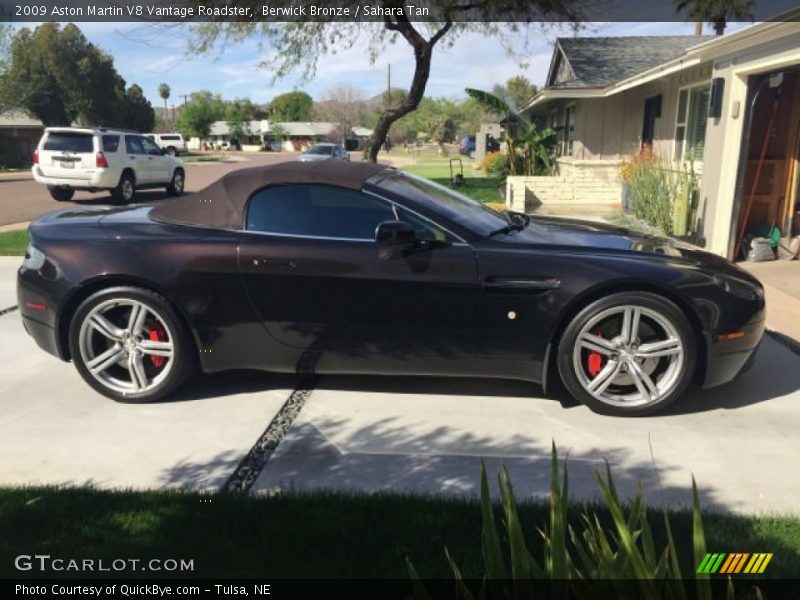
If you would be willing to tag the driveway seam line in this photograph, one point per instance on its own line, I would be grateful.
(253, 463)
(10, 309)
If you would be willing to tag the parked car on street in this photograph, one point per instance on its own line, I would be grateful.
(468, 144)
(324, 151)
(171, 143)
(361, 268)
(69, 159)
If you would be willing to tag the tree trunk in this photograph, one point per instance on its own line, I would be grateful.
(423, 51)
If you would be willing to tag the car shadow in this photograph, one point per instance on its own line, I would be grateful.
(771, 377)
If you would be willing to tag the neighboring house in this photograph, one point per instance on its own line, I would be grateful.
(294, 134)
(696, 102)
(19, 136)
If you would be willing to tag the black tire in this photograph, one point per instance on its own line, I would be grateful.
(184, 352)
(125, 192)
(60, 193)
(681, 373)
(172, 151)
(176, 186)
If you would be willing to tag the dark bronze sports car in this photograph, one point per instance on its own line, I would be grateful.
(358, 268)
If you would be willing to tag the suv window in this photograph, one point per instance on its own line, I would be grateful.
(170, 137)
(110, 143)
(317, 211)
(150, 147)
(133, 144)
(68, 141)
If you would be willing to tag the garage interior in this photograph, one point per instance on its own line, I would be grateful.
(769, 204)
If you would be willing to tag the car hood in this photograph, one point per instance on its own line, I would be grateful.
(555, 231)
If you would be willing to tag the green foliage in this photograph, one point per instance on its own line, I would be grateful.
(516, 92)
(202, 109)
(660, 194)
(164, 92)
(13, 243)
(56, 75)
(716, 12)
(491, 101)
(496, 164)
(238, 114)
(620, 549)
(441, 129)
(292, 106)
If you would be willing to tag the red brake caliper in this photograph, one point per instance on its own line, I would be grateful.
(594, 362)
(157, 334)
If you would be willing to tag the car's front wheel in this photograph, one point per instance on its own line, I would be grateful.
(61, 193)
(628, 354)
(172, 151)
(128, 344)
(175, 187)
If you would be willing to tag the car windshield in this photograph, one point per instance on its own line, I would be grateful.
(450, 204)
(320, 150)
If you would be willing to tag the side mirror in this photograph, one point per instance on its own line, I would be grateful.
(395, 233)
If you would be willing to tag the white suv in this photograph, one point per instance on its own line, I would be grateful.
(70, 158)
(172, 143)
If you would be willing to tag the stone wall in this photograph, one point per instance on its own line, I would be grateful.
(580, 187)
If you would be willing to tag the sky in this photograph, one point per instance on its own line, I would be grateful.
(149, 56)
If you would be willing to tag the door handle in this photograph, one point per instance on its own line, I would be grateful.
(280, 263)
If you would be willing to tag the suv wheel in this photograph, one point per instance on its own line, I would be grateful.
(175, 187)
(125, 191)
(60, 193)
(172, 151)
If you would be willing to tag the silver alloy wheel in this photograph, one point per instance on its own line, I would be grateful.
(127, 189)
(633, 372)
(115, 345)
(177, 182)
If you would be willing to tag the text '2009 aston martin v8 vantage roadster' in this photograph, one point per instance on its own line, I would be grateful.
(335, 267)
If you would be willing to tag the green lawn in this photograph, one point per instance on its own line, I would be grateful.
(13, 243)
(193, 158)
(324, 535)
(476, 185)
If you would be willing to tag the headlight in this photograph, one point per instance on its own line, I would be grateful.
(739, 287)
(34, 258)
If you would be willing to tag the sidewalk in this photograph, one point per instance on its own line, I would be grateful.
(781, 279)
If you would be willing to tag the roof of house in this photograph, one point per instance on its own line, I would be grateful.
(600, 61)
(18, 118)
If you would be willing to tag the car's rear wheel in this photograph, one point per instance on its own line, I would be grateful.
(627, 354)
(61, 193)
(129, 344)
(175, 187)
(172, 151)
(125, 191)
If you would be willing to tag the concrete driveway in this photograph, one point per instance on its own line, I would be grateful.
(404, 434)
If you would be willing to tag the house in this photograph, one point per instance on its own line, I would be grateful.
(19, 136)
(294, 135)
(726, 108)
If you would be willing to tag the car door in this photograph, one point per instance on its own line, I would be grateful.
(318, 280)
(160, 165)
(138, 159)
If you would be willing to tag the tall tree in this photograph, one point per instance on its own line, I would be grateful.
(441, 129)
(344, 105)
(195, 119)
(300, 44)
(238, 114)
(56, 75)
(164, 91)
(716, 12)
(292, 106)
(138, 113)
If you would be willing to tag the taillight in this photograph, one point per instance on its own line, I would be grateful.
(36, 156)
(100, 161)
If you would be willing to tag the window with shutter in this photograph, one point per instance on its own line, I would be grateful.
(690, 124)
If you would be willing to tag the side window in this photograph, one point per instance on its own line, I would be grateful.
(424, 228)
(150, 147)
(110, 143)
(133, 144)
(317, 211)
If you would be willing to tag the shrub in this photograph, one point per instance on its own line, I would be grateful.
(496, 164)
(576, 556)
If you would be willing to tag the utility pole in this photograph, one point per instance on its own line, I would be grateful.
(184, 96)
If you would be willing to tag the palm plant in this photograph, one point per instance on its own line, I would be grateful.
(164, 91)
(716, 12)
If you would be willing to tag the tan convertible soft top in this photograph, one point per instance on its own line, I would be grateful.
(223, 203)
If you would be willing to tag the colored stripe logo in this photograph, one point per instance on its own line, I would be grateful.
(734, 562)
